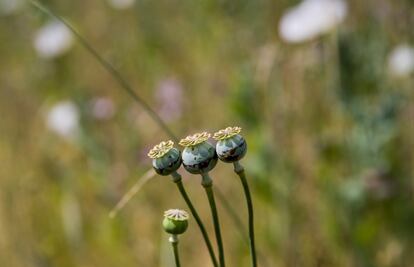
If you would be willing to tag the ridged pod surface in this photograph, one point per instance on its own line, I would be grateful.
(175, 221)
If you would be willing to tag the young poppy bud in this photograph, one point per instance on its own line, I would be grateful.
(165, 158)
(199, 156)
(231, 146)
(175, 221)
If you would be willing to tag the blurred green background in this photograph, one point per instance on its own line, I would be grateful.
(326, 104)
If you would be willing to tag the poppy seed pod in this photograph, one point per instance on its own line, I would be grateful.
(175, 221)
(231, 146)
(165, 158)
(199, 156)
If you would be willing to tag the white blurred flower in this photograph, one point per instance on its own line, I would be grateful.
(63, 118)
(401, 60)
(310, 19)
(52, 40)
(103, 108)
(10, 6)
(121, 4)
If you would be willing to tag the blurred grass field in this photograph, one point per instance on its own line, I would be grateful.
(329, 123)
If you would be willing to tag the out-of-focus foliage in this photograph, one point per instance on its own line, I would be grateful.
(329, 121)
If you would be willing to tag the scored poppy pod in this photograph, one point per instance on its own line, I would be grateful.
(231, 146)
(199, 156)
(166, 159)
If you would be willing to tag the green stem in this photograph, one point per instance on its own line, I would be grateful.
(238, 168)
(208, 186)
(178, 182)
(239, 224)
(111, 70)
(174, 242)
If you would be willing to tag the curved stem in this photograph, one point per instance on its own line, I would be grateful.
(208, 186)
(110, 69)
(174, 242)
(238, 168)
(180, 186)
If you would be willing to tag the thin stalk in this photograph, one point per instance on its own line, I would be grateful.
(174, 243)
(180, 186)
(261, 259)
(233, 215)
(110, 69)
(117, 76)
(176, 256)
(238, 168)
(208, 186)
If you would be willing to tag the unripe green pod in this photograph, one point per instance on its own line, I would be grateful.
(231, 146)
(165, 158)
(199, 156)
(175, 221)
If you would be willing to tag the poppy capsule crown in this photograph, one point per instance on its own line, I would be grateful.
(199, 156)
(231, 146)
(165, 158)
(175, 221)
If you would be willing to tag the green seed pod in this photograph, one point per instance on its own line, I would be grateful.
(165, 158)
(199, 156)
(175, 221)
(231, 146)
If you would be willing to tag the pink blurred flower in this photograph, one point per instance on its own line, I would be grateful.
(102, 108)
(169, 95)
